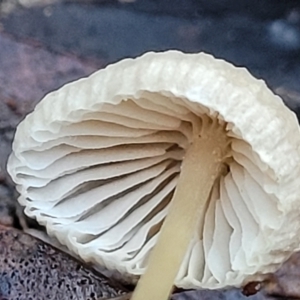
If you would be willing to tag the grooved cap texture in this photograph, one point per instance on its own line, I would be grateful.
(97, 163)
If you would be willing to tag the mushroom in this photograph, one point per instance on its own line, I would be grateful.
(182, 154)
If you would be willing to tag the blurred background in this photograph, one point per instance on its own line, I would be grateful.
(47, 43)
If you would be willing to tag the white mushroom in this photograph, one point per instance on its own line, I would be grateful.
(102, 161)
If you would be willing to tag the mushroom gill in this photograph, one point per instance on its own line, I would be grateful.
(187, 138)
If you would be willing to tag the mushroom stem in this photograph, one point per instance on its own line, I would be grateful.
(200, 168)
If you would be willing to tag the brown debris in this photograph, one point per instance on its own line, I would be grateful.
(286, 281)
(252, 288)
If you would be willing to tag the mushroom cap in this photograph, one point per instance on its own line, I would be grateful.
(97, 163)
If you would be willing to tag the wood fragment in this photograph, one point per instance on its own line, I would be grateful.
(32, 269)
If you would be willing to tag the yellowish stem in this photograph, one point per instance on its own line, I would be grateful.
(200, 168)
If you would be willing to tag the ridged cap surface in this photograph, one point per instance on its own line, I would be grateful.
(97, 163)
